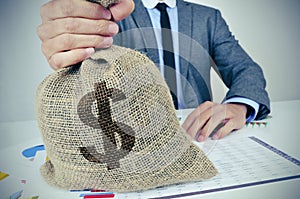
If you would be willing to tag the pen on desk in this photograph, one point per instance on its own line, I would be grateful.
(80, 190)
(95, 190)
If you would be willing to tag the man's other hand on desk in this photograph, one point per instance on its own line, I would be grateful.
(208, 116)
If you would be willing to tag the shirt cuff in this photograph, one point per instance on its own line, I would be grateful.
(251, 103)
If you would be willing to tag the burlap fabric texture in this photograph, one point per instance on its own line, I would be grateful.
(104, 3)
(110, 124)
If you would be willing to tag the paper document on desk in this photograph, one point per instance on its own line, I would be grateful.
(241, 162)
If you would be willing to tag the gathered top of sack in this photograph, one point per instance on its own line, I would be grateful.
(105, 3)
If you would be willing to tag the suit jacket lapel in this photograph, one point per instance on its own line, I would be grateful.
(185, 43)
(141, 16)
(143, 22)
(185, 32)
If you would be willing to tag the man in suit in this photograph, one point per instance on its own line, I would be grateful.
(72, 29)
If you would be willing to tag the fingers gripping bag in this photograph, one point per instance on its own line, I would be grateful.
(109, 123)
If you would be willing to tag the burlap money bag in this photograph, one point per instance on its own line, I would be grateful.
(110, 124)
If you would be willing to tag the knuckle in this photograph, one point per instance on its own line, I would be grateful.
(44, 48)
(67, 42)
(105, 27)
(40, 32)
(71, 25)
(67, 8)
(44, 8)
(214, 120)
(208, 103)
(100, 26)
(198, 110)
(97, 41)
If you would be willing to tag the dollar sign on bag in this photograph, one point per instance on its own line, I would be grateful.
(112, 153)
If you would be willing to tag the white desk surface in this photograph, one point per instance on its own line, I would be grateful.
(281, 132)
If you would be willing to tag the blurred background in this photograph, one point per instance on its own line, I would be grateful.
(268, 30)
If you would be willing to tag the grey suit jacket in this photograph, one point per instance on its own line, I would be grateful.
(205, 41)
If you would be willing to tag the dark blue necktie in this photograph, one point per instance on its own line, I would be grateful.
(168, 56)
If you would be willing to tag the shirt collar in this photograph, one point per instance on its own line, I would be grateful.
(152, 3)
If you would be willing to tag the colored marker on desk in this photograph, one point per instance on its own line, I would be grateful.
(93, 193)
(16, 195)
(259, 123)
(35, 197)
(3, 175)
(31, 152)
(98, 195)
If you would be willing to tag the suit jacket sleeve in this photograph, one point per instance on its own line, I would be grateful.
(239, 72)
